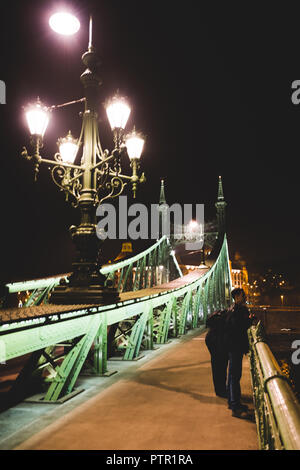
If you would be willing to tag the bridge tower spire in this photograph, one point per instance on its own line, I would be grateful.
(220, 206)
(162, 197)
(162, 206)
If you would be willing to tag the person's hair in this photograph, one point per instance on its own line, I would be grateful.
(237, 291)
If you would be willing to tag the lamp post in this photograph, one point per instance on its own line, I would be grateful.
(98, 177)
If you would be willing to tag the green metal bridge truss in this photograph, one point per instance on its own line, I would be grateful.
(62, 341)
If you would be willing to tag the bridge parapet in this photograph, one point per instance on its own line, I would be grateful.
(277, 409)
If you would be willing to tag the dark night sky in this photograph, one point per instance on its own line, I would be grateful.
(210, 86)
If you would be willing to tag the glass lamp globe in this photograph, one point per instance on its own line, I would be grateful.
(68, 148)
(37, 116)
(118, 111)
(135, 144)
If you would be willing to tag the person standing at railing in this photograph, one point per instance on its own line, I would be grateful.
(238, 320)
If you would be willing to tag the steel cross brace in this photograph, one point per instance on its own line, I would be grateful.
(221, 286)
(39, 295)
(100, 347)
(213, 290)
(67, 373)
(123, 278)
(210, 293)
(149, 342)
(164, 322)
(174, 317)
(203, 303)
(135, 340)
(196, 307)
(218, 301)
(139, 274)
(184, 312)
(205, 299)
(33, 296)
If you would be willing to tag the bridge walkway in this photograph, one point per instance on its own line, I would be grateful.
(165, 403)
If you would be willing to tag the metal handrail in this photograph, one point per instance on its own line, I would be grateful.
(277, 407)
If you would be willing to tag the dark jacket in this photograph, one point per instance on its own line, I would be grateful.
(237, 322)
(214, 339)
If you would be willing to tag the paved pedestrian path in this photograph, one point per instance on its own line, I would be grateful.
(167, 403)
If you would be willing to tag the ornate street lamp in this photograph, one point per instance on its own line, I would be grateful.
(98, 176)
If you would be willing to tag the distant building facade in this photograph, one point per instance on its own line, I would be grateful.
(239, 277)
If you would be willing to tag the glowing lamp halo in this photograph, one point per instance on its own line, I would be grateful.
(193, 224)
(64, 23)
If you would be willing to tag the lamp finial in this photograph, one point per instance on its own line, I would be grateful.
(90, 46)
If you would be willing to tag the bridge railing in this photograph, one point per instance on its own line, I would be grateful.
(277, 410)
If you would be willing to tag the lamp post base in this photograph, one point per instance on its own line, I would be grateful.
(86, 285)
(84, 295)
